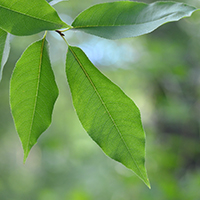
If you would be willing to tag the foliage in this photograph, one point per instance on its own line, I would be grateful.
(33, 87)
(107, 114)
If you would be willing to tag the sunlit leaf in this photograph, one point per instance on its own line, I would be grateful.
(33, 92)
(107, 114)
(26, 17)
(4, 49)
(123, 19)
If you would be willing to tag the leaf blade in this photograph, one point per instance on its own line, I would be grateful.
(25, 17)
(33, 92)
(4, 49)
(111, 118)
(123, 19)
(54, 2)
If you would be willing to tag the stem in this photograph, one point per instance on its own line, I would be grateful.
(64, 39)
(62, 35)
(45, 34)
(66, 29)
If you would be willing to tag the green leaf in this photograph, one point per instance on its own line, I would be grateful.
(33, 92)
(4, 49)
(107, 114)
(53, 2)
(27, 17)
(123, 19)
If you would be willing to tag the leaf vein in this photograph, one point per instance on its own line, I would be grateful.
(37, 92)
(103, 103)
(31, 16)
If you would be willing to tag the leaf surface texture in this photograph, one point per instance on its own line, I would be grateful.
(33, 92)
(26, 17)
(123, 19)
(110, 117)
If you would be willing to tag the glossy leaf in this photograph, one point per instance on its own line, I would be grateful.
(107, 114)
(33, 92)
(123, 19)
(26, 17)
(4, 49)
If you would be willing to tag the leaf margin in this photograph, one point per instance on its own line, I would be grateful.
(143, 177)
(8, 25)
(5, 51)
(27, 147)
(95, 29)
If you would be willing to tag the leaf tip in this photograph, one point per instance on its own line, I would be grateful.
(148, 184)
(25, 156)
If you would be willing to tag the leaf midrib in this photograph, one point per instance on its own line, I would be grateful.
(88, 77)
(116, 25)
(36, 96)
(31, 16)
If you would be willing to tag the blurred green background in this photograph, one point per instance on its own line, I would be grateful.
(159, 71)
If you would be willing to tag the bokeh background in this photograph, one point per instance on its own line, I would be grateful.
(159, 71)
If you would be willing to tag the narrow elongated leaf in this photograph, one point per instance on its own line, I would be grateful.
(123, 19)
(26, 17)
(33, 92)
(4, 49)
(107, 114)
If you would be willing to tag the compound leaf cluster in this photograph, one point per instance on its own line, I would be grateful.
(108, 115)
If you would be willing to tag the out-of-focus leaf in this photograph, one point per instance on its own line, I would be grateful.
(123, 19)
(107, 114)
(53, 2)
(4, 49)
(26, 17)
(33, 92)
